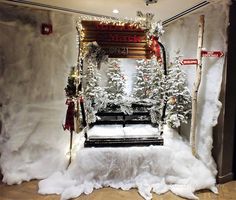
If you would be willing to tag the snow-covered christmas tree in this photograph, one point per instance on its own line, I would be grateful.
(178, 96)
(95, 95)
(142, 85)
(158, 88)
(116, 82)
(172, 90)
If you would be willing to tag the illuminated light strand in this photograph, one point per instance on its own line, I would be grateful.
(104, 20)
(155, 29)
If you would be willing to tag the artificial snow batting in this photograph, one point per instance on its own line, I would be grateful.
(156, 169)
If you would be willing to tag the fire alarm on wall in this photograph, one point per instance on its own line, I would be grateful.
(46, 29)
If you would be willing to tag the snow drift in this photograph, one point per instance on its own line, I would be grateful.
(155, 168)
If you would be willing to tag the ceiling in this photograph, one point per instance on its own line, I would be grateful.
(163, 9)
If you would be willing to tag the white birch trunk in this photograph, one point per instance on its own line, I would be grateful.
(196, 87)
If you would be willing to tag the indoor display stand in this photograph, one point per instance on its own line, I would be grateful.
(113, 115)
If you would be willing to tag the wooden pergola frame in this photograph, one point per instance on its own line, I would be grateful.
(146, 53)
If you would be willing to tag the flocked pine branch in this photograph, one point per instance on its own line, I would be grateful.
(116, 82)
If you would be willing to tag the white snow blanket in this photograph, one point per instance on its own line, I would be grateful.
(155, 168)
(139, 130)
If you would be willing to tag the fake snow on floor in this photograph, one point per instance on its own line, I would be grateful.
(156, 169)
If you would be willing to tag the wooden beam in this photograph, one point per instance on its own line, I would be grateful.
(119, 41)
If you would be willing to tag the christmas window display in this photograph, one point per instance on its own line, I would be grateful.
(32, 132)
(159, 94)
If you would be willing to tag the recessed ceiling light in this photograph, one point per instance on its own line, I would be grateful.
(115, 11)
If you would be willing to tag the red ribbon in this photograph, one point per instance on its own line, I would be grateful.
(69, 122)
(155, 47)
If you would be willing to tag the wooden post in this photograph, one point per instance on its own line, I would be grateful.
(163, 115)
(78, 82)
(77, 117)
(71, 143)
(196, 86)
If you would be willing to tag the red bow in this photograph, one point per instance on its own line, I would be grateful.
(69, 122)
(155, 47)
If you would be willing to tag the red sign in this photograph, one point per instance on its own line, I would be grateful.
(119, 41)
(122, 38)
(112, 27)
(216, 54)
(189, 61)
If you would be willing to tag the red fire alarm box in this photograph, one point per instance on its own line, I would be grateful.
(46, 29)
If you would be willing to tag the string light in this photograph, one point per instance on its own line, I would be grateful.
(105, 20)
(155, 29)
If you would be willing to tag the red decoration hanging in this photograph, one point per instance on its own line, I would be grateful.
(155, 47)
(69, 122)
(81, 100)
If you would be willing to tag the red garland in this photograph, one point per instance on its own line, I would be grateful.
(69, 122)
